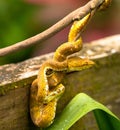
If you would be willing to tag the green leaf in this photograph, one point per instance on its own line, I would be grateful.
(106, 121)
(79, 106)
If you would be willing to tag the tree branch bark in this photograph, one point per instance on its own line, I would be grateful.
(77, 14)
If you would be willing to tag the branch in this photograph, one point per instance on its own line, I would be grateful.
(77, 14)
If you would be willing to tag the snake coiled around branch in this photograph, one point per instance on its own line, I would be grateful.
(48, 88)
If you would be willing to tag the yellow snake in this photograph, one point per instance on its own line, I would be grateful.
(47, 88)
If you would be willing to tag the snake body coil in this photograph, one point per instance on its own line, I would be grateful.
(47, 88)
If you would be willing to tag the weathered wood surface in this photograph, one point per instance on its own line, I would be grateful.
(101, 82)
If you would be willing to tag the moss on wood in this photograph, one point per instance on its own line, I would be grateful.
(101, 82)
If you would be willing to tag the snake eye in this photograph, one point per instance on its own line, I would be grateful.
(49, 72)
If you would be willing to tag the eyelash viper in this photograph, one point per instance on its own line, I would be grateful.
(47, 88)
(45, 94)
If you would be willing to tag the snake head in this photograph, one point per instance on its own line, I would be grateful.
(78, 64)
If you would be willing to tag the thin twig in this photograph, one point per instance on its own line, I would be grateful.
(77, 14)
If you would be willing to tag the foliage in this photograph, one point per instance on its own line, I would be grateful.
(15, 25)
(80, 106)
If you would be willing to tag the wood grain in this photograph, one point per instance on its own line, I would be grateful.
(101, 82)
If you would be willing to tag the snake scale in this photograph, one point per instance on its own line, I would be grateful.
(47, 88)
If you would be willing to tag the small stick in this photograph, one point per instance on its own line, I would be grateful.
(77, 14)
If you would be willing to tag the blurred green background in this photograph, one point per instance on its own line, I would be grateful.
(21, 19)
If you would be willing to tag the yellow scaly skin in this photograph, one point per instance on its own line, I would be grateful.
(47, 88)
(105, 4)
(46, 91)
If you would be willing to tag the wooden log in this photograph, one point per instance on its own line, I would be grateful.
(101, 82)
